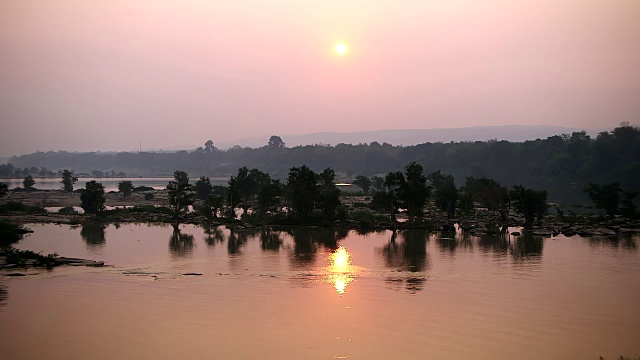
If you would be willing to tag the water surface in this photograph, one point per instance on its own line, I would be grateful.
(321, 294)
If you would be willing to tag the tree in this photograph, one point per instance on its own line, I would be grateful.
(233, 197)
(98, 174)
(203, 187)
(364, 182)
(393, 185)
(28, 182)
(328, 193)
(377, 183)
(276, 142)
(247, 182)
(125, 187)
(606, 197)
(302, 190)
(628, 208)
(92, 198)
(180, 193)
(269, 196)
(489, 193)
(3, 189)
(208, 147)
(531, 203)
(415, 191)
(212, 205)
(446, 194)
(68, 180)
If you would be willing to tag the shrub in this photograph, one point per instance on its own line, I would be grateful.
(67, 210)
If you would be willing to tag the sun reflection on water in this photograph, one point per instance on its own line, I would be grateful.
(340, 271)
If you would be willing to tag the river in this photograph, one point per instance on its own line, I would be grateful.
(310, 293)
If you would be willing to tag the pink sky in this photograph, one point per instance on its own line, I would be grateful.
(106, 75)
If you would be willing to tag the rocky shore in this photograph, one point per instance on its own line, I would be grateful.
(481, 223)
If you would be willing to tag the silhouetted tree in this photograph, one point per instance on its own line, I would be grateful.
(92, 198)
(269, 196)
(377, 183)
(233, 197)
(415, 191)
(328, 194)
(530, 203)
(3, 189)
(212, 205)
(98, 174)
(68, 180)
(364, 182)
(302, 190)
(276, 142)
(125, 187)
(445, 192)
(208, 147)
(393, 185)
(489, 193)
(628, 208)
(203, 187)
(180, 193)
(28, 182)
(606, 197)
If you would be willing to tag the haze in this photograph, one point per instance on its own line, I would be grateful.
(109, 75)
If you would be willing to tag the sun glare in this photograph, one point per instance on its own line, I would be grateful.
(341, 49)
(341, 272)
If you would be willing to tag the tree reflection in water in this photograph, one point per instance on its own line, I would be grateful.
(270, 240)
(626, 241)
(180, 244)
(409, 255)
(527, 248)
(306, 241)
(3, 295)
(93, 236)
(237, 239)
(213, 235)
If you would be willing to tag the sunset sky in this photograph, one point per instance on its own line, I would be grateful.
(107, 75)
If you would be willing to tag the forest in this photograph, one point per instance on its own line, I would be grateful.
(562, 165)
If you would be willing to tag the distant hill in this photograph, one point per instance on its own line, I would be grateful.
(516, 133)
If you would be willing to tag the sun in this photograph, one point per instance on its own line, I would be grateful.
(341, 49)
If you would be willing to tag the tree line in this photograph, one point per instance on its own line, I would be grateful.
(562, 164)
(308, 197)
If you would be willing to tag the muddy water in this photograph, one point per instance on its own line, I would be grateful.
(321, 294)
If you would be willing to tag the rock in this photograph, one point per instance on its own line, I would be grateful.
(192, 274)
(15, 274)
(605, 231)
(516, 233)
(448, 227)
(78, 262)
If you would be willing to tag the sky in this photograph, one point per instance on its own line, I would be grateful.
(103, 75)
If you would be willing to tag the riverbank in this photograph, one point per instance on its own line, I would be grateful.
(151, 207)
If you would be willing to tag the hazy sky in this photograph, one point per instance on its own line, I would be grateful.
(106, 75)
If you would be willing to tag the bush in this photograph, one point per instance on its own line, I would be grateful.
(142, 188)
(20, 257)
(67, 210)
(367, 219)
(16, 206)
(11, 233)
(148, 196)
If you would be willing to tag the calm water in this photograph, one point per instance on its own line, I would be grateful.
(111, 184)
(321, 294)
